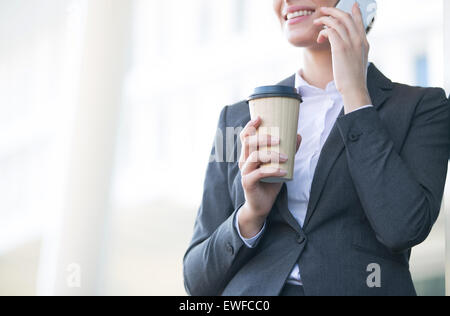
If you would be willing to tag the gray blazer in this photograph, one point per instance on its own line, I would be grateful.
(376, 193)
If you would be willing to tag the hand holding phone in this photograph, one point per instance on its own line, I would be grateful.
(346, 34)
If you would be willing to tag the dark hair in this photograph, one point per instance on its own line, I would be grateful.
(370, 26)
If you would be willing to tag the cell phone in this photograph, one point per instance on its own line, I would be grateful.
(368, 9)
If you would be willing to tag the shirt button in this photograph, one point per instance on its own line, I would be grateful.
(230, 249)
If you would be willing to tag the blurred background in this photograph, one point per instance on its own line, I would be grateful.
(108, 110)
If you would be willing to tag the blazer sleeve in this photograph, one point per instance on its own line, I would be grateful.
(214, 252)
(401, 193)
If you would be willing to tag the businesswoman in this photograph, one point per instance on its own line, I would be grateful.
(369, 177)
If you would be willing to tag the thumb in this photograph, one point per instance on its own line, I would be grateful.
(299, 141)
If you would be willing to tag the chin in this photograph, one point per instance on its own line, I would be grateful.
(301, 40)
(302, 37)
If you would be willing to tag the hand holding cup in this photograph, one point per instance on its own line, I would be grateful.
(259, 196)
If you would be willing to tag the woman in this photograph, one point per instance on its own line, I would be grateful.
(368, 184)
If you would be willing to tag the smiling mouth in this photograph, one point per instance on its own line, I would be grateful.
(296, 14)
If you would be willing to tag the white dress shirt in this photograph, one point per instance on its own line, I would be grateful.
(318, 114)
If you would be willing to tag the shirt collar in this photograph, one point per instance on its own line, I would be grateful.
(307, 90)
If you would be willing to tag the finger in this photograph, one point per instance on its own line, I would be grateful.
(257, 158)
(250, 180)
(299, 142)
(250, 128)
(334, 23)
(251, 163)
(357, 16)
(258, 141)
(333, 36)
(249, 145)
(255, 142)
(344, 17)
(323, 36)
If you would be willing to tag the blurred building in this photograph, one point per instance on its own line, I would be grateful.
(187, 59)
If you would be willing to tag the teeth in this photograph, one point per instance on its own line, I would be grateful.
(298, 13)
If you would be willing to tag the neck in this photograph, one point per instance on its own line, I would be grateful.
(318, 67)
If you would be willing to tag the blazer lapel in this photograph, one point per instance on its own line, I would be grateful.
(281, 203)
(290, 82)
(331, 150)
(378, 85)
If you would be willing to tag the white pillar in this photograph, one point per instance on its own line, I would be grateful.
(447, 192)
(75, 266)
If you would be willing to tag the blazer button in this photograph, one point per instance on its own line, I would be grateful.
(353, 137)
(301, 239)
(230, 249)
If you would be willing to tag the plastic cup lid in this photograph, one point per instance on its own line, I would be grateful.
(275, 91)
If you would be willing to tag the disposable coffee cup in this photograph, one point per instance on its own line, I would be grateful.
(278, 107)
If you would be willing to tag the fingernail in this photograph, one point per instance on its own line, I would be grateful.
(275, 140)
(283, 172)
(284, 157)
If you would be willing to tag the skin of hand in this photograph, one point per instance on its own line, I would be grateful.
(350, 50)
(259, 196)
